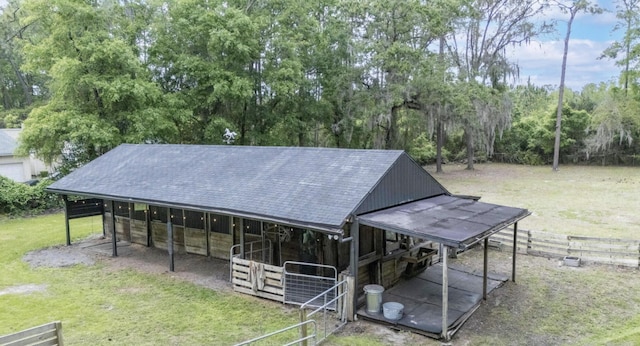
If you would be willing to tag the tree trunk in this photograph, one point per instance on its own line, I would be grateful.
(439, 123)
(26, 89)
(439, 141)
(556, 146)
(468, 136)
(390, 135)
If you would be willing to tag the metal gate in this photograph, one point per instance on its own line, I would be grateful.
(305, 283)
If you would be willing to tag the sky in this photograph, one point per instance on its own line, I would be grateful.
(541, 60)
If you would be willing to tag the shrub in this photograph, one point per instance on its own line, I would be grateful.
(19, 199)
(423, 150)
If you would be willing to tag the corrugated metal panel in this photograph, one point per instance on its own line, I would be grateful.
(405, 181)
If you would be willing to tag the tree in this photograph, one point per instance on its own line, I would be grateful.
(629, 15)
(615, 123)
(101, 94)
(479, 55)
(16, 86)
(573, 9)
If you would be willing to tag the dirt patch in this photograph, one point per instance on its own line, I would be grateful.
(202, 271)
(24, 289)
(60, 256)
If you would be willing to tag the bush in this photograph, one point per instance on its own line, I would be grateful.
(19, 199)
(423, 150)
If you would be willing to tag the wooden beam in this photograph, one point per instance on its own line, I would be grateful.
(353, 263)
(66, 218)
(515, 248)
(485, 267)
(445, 293)
(114, 237)
(170, 240)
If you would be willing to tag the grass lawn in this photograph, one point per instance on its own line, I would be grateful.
(576, 200)
(99, 306)
(550, 304)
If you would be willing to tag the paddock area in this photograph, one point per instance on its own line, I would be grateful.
(422, 299)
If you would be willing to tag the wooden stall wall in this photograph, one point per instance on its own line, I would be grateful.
(138, 225)
(220, 236)
(195, 235)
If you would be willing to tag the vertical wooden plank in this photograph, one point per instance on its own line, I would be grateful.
(445, 293)
(303, 327)
(515, 248)
(170, 239)
(66, 218)
(58, 325)
(241, 228)
(113, 230)
(207, 231)
(353, 266)
(484, 269)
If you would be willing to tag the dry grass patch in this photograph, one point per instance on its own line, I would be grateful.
(577, 200)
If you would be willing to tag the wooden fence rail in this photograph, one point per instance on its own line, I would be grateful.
(49, 334)
(623, 252)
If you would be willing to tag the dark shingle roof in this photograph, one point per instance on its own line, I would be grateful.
(316, 187)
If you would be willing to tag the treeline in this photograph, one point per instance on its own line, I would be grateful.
(429, 77)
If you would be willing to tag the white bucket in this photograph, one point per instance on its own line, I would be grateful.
(392, 310)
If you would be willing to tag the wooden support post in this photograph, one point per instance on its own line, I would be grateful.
(114, 236)
(515, 251)
(445, 293)
(207, 230)
(104, 220)
(241, 228)
(66, 218)
(170, 239)
(485, 267)
(303, 327)
(353, 265)
(264, 242)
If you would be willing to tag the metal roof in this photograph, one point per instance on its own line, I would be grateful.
(449, 220)
(7, 144)
(312, 187)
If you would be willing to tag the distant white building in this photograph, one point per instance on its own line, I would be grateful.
(19, 169)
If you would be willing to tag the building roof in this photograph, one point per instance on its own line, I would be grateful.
(450, 220)
(318, 188)
(7, 144)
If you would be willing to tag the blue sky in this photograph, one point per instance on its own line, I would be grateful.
(541, 60)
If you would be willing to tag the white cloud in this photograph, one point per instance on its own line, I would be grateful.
(541, 62)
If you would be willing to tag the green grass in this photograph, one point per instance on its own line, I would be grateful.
(104, 307)
(592, 305)
(576, 200)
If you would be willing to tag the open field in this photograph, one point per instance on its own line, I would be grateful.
(125, 301)
(576, 200)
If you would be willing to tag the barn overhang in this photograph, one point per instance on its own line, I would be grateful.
(327, 229)
(452, 221)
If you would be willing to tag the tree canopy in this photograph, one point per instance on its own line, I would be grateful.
(83, 76)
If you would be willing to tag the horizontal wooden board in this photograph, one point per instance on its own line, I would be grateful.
(245, 262)
(269, 289)
(195, 241)
(278, 298)
(46, 334)
(604, 253)
(603, 246)
(220, 244)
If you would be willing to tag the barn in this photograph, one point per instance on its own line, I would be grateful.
(296, 223)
